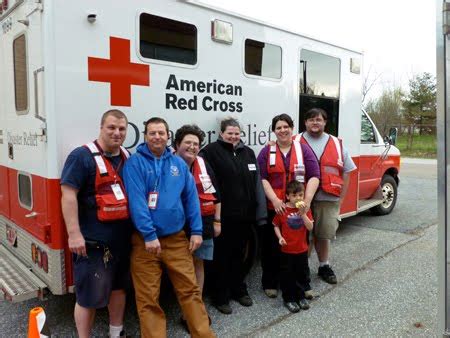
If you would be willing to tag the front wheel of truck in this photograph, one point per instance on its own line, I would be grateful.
(389, 190)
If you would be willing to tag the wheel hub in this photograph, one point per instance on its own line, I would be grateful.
(388, 195)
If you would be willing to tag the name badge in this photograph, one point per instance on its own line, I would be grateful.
(207, 185)
(299, 172)
(252, 167)
(299, 168)
(152, 200)
(117, 190)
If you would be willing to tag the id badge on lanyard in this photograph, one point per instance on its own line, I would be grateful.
(299, 172)
(153, 195)
(117, 190)
(153, 199)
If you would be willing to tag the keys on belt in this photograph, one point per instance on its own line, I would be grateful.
(106, 252)
(106, 256)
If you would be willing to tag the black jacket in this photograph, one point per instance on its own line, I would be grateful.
(238, 180)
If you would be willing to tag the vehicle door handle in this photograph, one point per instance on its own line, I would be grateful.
(31, 214)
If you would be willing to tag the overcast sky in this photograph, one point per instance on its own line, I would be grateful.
(398, 37)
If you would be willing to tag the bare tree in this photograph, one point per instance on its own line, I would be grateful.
(385, 110)
(369, 82)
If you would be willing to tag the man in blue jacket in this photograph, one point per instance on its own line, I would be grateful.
(162, 199)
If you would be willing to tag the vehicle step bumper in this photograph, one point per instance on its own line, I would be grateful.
(17, 282)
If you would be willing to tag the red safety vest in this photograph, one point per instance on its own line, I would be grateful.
(331, 165)
(204, 186)
(112, 203)
(278, 178)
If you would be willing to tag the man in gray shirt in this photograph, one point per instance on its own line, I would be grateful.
(335, 164)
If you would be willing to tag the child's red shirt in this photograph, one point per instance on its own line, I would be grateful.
(295, 238)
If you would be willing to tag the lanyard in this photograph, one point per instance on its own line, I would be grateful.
(117, 168)
(157, 165)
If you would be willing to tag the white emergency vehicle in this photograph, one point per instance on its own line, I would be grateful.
(64, 63)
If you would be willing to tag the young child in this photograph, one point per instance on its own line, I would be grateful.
(292, 230)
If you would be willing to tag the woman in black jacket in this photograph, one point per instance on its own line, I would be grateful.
(243, 204)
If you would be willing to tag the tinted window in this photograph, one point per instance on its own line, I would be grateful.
(25, 195)
(262, 59)
(167, 40)
(20, 74)
(367, 132)
(319, 74)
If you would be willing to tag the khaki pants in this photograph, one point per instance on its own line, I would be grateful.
(146, 270)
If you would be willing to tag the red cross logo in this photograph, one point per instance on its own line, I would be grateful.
(119, 72)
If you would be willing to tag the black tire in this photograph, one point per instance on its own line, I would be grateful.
(389, 190)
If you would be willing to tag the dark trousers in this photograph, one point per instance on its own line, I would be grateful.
(270, 255)
(228, 271)
(294, 276)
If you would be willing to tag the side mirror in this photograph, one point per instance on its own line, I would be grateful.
(392, 138)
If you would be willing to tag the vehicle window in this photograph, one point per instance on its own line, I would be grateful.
(262, 59)
(20, 75)
(367, 132)
(167, 40)
(319, 74)
(25, 193)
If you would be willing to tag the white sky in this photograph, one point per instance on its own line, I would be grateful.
(398, 37)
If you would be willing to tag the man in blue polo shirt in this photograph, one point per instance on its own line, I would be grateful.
(95, 210)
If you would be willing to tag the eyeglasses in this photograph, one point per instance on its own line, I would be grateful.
(315, 120)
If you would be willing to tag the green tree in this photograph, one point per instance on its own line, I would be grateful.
(385, 110)
(420, 105)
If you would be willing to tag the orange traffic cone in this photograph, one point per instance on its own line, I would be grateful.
(37, 326)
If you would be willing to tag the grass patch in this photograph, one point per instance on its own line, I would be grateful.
(423, 146)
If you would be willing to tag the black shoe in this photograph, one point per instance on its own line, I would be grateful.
(224, 308)
(292, 306)
(327, 274)
(303, 304)
(245, 300)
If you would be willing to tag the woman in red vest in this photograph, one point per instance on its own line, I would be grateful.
(280, 163)
(187, 145)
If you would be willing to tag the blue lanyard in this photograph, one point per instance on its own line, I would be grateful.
(158, 165)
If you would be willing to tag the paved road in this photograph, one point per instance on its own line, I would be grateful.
(394, 296)
(385, 267)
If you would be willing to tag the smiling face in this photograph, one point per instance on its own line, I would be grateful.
(231, 135)
(283, 132)
(315, 126)
(156, 137)
(188, 148)
(113, 132)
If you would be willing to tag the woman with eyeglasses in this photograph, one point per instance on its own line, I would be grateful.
(187, 145)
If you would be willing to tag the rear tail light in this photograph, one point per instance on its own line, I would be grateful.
(44, 258)
(34, 253)
(39, 257)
